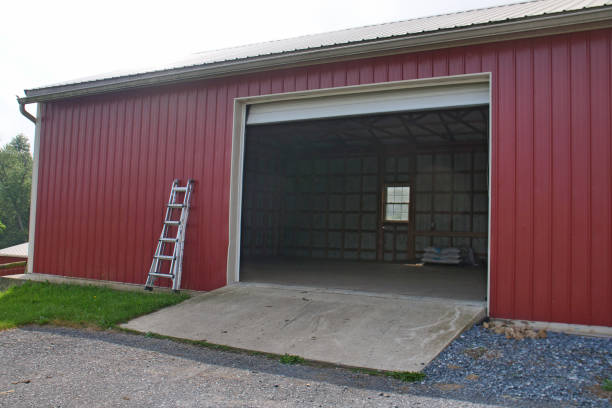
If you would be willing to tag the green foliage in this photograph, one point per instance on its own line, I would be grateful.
(42, 303)
(15, 186)
(289, 359)
(607, 385)
(408, 376)
(13, 265)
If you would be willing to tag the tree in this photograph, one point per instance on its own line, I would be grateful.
(15, 186)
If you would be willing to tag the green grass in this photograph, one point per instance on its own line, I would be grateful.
(289, 359)
(406, 376)
(606, 385)
(13, 265)
(73, 305)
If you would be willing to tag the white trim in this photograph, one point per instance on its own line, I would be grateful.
(34, 192)
(371, 103)
(489, 184)
(235, 210)
(481, 77)
(239, 130)
(59, 279)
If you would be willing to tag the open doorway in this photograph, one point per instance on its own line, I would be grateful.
(354, 202)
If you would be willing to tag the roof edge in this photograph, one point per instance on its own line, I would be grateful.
(559, 23)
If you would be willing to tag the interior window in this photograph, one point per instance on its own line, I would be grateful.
(396, 203)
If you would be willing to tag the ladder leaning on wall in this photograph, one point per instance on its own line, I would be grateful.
(172, 238)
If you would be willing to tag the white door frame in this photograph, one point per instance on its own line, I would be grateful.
(238, 135)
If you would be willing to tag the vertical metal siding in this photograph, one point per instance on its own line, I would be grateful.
(14, 270)
(106, 164)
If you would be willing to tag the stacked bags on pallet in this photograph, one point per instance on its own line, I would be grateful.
(449, 256)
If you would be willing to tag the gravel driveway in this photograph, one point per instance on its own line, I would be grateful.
(62, 367)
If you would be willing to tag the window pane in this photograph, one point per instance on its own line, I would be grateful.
(400, 195)
(396, 212)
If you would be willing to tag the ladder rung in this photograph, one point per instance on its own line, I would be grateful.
(161, 275)
(170, 222)
(180, 189)
(168, 239)
(165, 257)
(176, 205)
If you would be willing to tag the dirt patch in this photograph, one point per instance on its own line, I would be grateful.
(598, 391)
(448, 387)
(476, 353)
(515, 331)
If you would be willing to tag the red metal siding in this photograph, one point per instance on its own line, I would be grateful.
(106, 164)
(12, 271)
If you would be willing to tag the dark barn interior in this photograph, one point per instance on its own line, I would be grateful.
(352, 202)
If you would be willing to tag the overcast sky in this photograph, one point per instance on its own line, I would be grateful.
(45, 42)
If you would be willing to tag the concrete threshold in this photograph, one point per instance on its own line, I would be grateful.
(364, 293)
(339, 327)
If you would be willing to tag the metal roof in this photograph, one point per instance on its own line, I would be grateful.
(398, 29)
(18, 251)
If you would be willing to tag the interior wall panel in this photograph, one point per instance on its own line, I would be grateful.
(131, 155)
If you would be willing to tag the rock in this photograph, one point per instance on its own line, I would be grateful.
(541, 334)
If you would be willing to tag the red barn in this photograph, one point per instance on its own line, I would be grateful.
(12, 255)
(341, 159)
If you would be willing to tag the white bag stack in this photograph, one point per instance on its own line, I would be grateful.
(450, 256)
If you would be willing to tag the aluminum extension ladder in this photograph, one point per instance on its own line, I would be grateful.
(169, 243)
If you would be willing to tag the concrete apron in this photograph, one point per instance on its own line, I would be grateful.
(369, 331)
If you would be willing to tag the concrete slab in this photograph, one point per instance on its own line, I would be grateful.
(386, 333)
(438, 281)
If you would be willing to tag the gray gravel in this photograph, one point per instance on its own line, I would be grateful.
(61, 367)
(561, 370)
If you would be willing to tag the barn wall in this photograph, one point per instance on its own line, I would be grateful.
(13, 270)
(328, 205)
(451, 196)
(262, 202)
(106, 164)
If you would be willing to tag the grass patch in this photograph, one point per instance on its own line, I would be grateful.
(13, 265)
(406, 376)
(289, 359)
(74, 305)
(606, 385)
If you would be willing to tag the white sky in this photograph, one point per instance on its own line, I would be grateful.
(45, 42)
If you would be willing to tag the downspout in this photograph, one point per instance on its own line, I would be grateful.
(24, 112)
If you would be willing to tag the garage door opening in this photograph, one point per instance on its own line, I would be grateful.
(354, 203)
